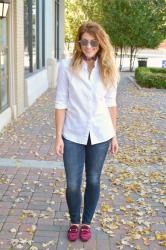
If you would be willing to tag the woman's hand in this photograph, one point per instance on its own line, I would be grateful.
(59, 146)
(114, 146)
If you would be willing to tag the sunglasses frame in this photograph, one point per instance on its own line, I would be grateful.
(91, 42)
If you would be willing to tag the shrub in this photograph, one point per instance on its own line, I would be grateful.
(158, 70)
(151, 77)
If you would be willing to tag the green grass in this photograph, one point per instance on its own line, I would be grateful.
(151, 77)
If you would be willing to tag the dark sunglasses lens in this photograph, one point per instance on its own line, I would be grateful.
(94, 43)
(84, 42)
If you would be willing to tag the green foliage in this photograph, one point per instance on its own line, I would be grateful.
(135, 23)
(158, 70)
(151, 77)
(73, 17)
(77, 12)
(131, 24)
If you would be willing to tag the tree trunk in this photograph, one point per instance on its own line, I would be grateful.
(121, 57)
(134, 56)
(131, 58)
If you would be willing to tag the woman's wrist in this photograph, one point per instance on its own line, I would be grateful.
(59, 136)
(115, 136)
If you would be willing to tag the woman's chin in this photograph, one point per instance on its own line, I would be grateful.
(89, 55)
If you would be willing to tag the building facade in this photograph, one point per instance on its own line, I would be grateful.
(31, 40)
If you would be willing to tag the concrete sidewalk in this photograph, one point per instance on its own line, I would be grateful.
(131, 213)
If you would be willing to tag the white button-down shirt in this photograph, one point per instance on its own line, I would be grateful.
(86, 101)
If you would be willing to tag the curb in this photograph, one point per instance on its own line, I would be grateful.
(6, 162)
(132, 79)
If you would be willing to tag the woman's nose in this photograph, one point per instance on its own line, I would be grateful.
(89, 45)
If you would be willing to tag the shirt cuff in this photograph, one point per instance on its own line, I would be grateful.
(110, 103)
(60, 106)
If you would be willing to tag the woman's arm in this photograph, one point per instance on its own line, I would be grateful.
(59, 123)
(110, 100)
(61, 102)
(114, 143)
(113, 114)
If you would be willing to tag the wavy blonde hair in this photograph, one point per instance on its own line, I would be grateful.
(108, 70)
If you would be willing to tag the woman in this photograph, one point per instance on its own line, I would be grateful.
(85, 115)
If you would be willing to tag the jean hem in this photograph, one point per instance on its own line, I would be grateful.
(87, 223)
(74, 222)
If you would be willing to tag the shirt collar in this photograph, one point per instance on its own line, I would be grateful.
(85, 65)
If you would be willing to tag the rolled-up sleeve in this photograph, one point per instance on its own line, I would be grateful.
(61, 94)
(110, 97)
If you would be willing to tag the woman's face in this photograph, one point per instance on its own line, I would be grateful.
(89, 45)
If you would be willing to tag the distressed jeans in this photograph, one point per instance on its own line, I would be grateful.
(75, 157)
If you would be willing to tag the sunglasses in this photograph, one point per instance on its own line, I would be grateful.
(85, 42)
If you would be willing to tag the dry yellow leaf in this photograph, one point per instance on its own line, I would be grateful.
(130, 200)
(105, 208)
(137, 236)
(32, 229)
(163, 243)
(122, 208)
(160, 236)
(146, 241)
(33, 248)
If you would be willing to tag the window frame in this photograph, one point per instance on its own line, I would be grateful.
(31, 69)
(57, 17)
(6, 77)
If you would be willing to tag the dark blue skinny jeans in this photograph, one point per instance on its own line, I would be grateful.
(75, 156)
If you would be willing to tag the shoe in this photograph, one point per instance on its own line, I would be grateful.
(73, 233)
(85, 233)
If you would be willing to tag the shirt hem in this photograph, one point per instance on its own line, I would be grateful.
(93, 142)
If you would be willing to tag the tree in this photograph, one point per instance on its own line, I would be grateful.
(77, 12)
(131, 24)
(134, 24)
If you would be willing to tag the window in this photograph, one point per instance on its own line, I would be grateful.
(4, 96)
(34, 35)
(57, 29)
(31, 36)
(43, 33)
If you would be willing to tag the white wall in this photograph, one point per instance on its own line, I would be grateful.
(35, 86)
(5, 118)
